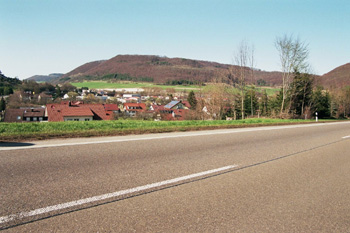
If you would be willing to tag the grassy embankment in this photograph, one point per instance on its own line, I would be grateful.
(37, 131)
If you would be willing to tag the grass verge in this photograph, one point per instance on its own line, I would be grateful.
(39, 131)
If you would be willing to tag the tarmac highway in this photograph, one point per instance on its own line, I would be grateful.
(266, 179)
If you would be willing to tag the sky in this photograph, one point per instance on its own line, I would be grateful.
(39, 37)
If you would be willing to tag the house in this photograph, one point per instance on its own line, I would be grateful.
(111, 109)
(172, 111)
(175, 104)
(129, 98)
(160, 109)
(13, 115)
(76, 111)
(44, 97)
(180, 114)
(77, 114)
(186, 104)
(134, 108)
(26, 96)
(25, 115)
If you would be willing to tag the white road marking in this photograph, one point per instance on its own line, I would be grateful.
(66, 205)
(164, 136)
(346, 137)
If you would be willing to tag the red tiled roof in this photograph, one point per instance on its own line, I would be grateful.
(77, 111)
(111, 107)
(56, 112)
(140, 105)
(186, 103)
(158, 107)
(143, 105)
(180, 114)
(98, 110)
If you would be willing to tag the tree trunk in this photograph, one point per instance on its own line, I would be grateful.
(242, 103)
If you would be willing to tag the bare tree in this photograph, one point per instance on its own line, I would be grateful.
(244, 59)
(252, 67)
(293, 57)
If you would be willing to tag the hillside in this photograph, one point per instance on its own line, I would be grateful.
(337, 78)
(162, 70)
(158, 69)
(7, 85)
(6, 81)
(45, 78)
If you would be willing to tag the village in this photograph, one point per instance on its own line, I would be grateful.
(82, 106)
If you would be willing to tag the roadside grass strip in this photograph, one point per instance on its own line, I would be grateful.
(21, 131)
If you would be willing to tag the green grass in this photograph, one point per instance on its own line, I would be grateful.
(269, 90)
(26, 131)
(106, 85)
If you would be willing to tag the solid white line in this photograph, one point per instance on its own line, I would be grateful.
(346, 137)
(66, 205)
(162, 136)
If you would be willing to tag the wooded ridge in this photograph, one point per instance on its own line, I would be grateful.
(163, 70)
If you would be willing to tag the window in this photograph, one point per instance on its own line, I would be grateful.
(28, 119)
(18, 117)
(40, 119)
(76, 119)
(35, 119)
(87, 119)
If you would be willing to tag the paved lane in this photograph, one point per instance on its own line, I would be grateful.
(40, 177)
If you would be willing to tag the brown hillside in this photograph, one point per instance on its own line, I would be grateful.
(337, 78)
(162, 69)
(81, 70)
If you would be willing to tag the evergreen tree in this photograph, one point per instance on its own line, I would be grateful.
(300, 93)
(192, 100)
(251, 102)
(275, 103)
(58, 92)
(321, 103)
(2, 104)
(8, 90)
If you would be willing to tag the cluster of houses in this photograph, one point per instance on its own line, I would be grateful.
(80, 111)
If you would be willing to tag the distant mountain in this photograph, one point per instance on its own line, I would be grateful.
(159, 69)
(45, 78)
(337, 78)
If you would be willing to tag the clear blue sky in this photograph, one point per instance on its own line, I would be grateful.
(48, 36)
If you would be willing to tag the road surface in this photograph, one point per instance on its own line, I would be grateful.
(266, 179)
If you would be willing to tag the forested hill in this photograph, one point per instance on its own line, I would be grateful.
(158, 69)
(8, 84)
(45, 78)
(337, 78)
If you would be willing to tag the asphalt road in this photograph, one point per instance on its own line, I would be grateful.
(267, 179)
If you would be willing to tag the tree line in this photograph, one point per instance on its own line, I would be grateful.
(230, 95)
